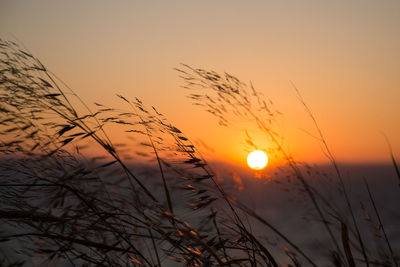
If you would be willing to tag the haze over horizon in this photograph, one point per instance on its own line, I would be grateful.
(343, 56)
(199, 133)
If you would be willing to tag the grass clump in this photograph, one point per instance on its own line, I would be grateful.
(63, 204)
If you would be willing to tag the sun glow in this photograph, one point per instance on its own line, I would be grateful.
(257, 160)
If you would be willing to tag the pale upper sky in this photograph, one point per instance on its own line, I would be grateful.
(344, 56)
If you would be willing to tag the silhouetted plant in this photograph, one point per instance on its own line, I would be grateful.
(72, 207)
(156, 202)
(222, 94)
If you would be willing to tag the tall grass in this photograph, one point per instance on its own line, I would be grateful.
(63, 204)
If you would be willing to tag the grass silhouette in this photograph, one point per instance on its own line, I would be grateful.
(62, 204)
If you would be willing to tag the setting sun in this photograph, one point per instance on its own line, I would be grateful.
(257, 160)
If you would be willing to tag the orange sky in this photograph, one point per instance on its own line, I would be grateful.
(344, 56)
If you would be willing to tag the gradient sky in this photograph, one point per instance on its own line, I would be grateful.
(344, 56)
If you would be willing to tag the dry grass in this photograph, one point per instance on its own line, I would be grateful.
(62, 205)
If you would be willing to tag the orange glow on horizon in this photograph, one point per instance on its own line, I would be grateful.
(340, 51)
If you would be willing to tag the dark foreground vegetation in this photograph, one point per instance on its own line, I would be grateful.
(70, 196)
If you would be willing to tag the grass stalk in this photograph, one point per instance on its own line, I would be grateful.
(381, 226)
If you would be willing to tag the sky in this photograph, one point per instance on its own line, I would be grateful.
(344, 57)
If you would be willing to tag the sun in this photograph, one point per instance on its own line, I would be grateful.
(257, 160)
